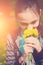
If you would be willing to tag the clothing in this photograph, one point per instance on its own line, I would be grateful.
(13, 53)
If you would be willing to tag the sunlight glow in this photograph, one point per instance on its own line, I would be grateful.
(1, 13)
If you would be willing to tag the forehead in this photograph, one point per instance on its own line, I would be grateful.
(27, 16)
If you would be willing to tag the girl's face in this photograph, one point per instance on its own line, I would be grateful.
(28, 19)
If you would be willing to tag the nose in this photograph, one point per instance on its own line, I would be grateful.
(30, 26)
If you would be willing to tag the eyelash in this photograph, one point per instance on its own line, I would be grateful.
(33, 22)
(27, 24)
(24, 24)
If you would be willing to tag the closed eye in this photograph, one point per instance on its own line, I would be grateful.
(23, 23)
(34, 22)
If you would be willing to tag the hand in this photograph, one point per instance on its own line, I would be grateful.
(32, 42)
(27, 49)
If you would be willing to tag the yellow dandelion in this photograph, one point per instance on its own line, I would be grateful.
(30, 32)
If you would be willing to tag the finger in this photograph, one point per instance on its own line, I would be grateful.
(30, 45)
(32, 40)
(28, 48)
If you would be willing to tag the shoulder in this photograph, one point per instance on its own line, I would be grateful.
(13, 34)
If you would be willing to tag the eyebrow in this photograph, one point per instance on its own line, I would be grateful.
(22, 22)
(27, 23)
(20, 19)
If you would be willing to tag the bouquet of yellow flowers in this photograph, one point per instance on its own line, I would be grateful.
(30, 32)
(27, 33)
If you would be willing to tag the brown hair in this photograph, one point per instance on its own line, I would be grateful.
(21, 5)
(40, 29)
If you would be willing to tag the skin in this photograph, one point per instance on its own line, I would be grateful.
(29, 20)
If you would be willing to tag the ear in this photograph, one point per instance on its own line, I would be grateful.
(40, 11)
